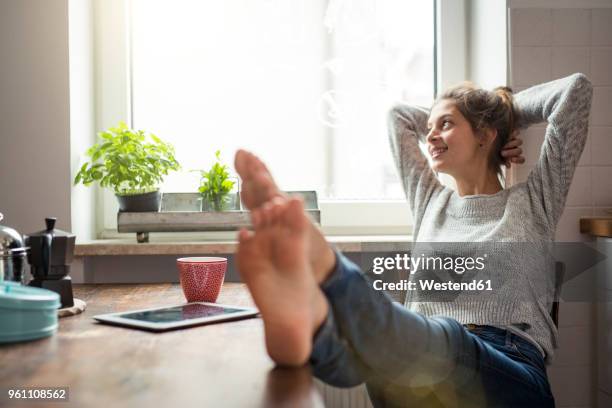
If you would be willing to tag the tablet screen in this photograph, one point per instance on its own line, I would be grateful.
(179, 313)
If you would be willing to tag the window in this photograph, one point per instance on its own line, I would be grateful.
(306, 84)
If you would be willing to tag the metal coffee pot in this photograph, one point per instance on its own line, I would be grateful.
(13, 253)
(50, 255)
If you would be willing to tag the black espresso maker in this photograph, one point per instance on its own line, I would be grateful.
(51, 252)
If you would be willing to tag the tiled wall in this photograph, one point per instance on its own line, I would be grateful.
(549, 43)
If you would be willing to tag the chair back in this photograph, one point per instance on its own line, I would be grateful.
(559, 273)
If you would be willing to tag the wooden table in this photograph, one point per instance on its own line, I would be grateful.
(219, 365)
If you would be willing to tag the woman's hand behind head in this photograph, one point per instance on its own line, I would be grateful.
(511, 151)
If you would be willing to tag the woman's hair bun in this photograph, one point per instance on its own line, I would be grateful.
(505, 93)
(507, 98)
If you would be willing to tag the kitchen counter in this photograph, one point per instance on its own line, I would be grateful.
(596, 226)
(222, 364)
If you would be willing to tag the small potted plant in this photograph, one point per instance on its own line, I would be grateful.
(215, 186)
(132, 163)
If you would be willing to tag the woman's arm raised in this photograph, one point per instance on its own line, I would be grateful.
(565, 104)
(407, 125)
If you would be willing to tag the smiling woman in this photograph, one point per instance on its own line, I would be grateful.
(468, 130)
(486, 347)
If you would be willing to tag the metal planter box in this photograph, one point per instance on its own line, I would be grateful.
(192, 202)
(180, 212)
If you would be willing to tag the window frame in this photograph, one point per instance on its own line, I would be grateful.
(113, 103)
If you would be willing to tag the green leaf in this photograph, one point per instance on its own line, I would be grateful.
(127, 158)
(215, 184)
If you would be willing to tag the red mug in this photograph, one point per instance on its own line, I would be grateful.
(201, 277)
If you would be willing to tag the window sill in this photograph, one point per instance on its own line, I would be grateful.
(119, 247)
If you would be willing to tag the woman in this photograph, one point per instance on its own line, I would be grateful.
(317, 306)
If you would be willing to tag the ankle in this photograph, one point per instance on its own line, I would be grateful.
(323, 258)
(320, 307)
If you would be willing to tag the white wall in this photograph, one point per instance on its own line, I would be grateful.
(487, 42)
(451, 44)
(551, 39)
(34, 113)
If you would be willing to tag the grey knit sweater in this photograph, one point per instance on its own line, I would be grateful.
(527, 212)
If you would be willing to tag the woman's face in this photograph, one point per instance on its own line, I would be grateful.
(451, 142)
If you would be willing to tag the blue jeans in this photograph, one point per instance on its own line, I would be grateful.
(407, 359)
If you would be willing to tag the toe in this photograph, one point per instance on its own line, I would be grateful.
(294, 215)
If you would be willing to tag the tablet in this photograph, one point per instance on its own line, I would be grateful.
(174, 317)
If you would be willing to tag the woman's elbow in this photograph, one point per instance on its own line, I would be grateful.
(581, 82)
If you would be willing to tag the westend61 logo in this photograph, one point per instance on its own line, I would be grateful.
(412, 264)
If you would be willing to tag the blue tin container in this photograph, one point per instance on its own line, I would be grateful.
(26, 313)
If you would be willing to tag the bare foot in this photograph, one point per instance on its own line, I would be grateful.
(260, 191)
(258, 186)
(273, 263)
